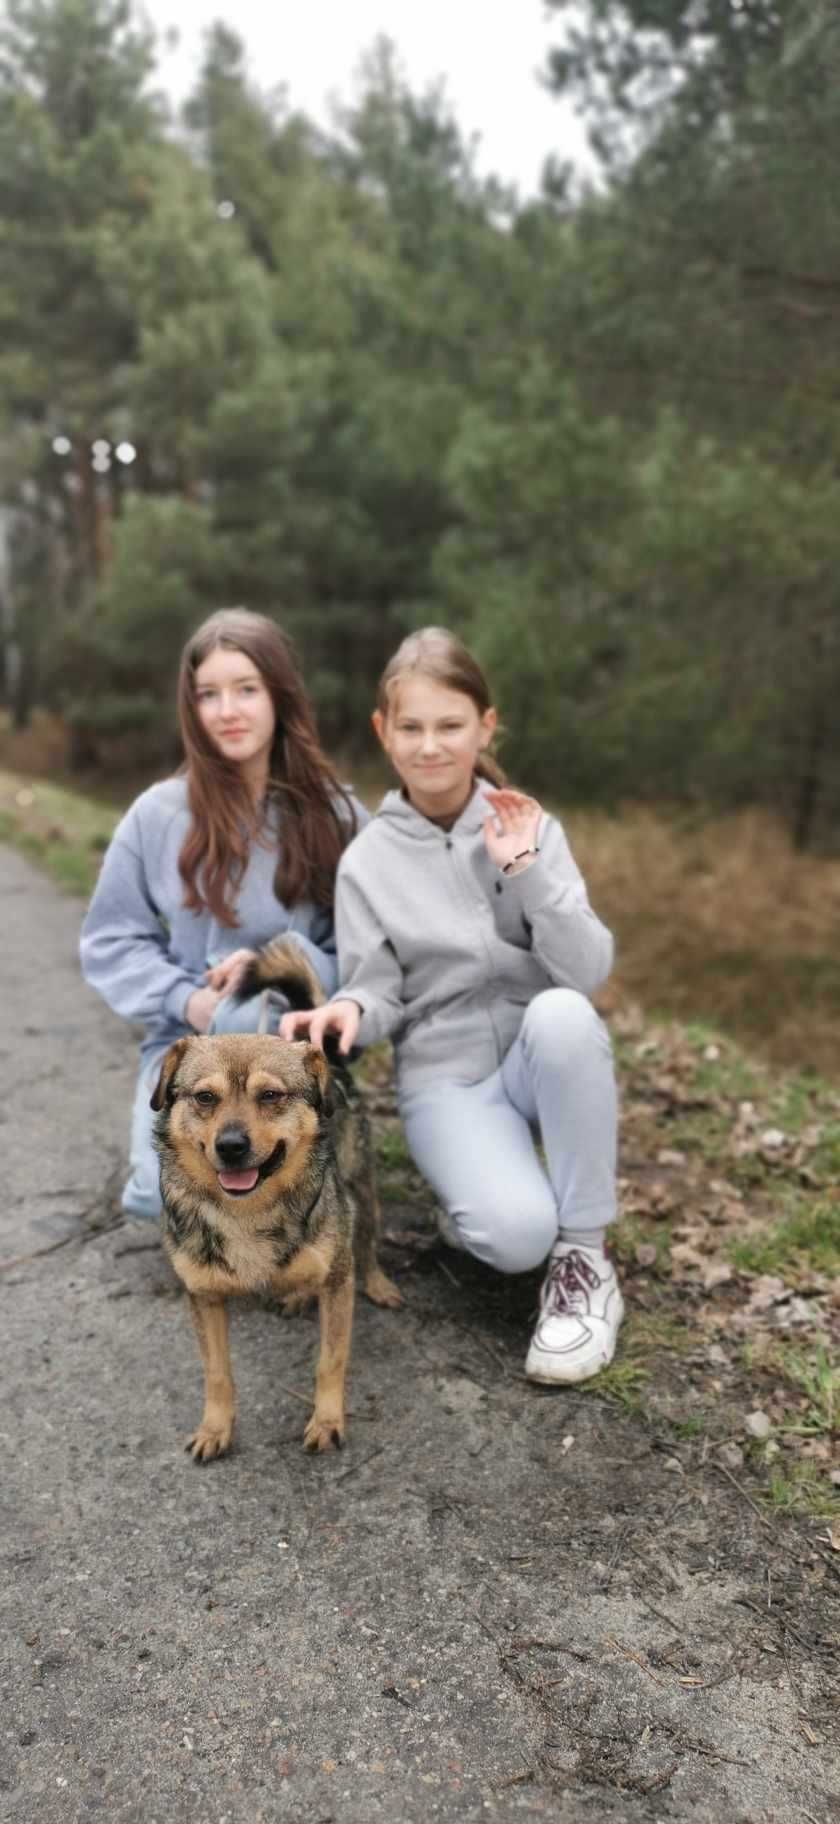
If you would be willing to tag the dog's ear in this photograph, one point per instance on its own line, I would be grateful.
(163, 1090)
(322, 1085)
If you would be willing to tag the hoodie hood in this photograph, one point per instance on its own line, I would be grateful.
(397, 810)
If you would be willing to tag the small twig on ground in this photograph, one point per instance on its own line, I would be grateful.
(710, 1684)
(448, 1274)
(620, 1543)
(627, 1653)
(723, 1471)
(377, 1452)
(304, 1398)
(515, 1779)
(548, 1646)
(696, 1745)
(798, 1694)
(502, 1646)
(659, 1613)
(477, 1337)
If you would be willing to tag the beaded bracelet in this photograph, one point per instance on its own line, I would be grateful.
(532, 850)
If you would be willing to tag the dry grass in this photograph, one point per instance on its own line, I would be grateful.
(720, 921)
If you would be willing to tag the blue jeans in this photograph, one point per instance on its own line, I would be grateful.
(141, 1193)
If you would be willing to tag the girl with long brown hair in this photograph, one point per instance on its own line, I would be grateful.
(466, 936)
(240, 846)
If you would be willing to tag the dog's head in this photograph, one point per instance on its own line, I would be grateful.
(237, 1111)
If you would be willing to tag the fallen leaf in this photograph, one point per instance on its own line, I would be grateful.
(685, 1259)
(719, 1273)
(773, 1139)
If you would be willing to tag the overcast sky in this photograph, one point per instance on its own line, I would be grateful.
(487, 51)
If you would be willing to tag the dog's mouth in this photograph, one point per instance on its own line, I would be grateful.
(240, 1184)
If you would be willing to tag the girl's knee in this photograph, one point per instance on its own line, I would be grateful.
(513, 1240)
(562, 1017)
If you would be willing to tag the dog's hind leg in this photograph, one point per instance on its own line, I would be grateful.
(335, 1303)
(214, 1434)
(368, 1226)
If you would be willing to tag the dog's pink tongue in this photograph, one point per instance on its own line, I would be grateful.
(238, 1181)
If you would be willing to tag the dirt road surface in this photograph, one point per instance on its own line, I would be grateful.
(494, 1603)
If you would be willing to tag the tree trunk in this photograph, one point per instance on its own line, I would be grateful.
(809, 786)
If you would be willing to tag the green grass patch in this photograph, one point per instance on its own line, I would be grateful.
(392, 1152)
(61, 831)
(825, 1159)
(621, 1382)
(730, 1074)
(644, 1335)
(630, 1233)
(692, 1427)
(808, 1237)
(800, 1489)
(818, 1378)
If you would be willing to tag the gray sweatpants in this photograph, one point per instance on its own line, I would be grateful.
(474, 1143)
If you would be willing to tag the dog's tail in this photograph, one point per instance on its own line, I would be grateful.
(284, 966)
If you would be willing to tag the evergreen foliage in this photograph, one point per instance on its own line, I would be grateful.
(365, 387)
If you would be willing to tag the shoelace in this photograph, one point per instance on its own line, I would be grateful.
(569, 1278)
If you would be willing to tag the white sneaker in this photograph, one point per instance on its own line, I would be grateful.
(581, 1308)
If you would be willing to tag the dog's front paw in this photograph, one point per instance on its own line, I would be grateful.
(209, 1441)
(324, 1432)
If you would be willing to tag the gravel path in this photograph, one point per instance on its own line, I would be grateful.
(495, 1602)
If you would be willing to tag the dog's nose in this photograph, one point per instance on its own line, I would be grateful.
(233, 1144)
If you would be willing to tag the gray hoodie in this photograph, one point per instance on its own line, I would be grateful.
(140, 946)
(443, 952)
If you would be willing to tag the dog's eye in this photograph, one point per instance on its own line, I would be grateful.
(205, 1098)
(272, 1096)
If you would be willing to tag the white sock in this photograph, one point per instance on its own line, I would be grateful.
(584, 1238)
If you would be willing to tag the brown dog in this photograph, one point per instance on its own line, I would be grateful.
(259, 1156)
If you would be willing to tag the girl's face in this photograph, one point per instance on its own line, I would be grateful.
(433, 737)
(235, 708)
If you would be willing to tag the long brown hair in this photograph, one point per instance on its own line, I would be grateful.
(301, 780)
(436, 654)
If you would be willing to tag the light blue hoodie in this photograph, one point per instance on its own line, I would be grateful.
(144, 951)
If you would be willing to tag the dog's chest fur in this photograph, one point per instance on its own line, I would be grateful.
(248, 1257)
